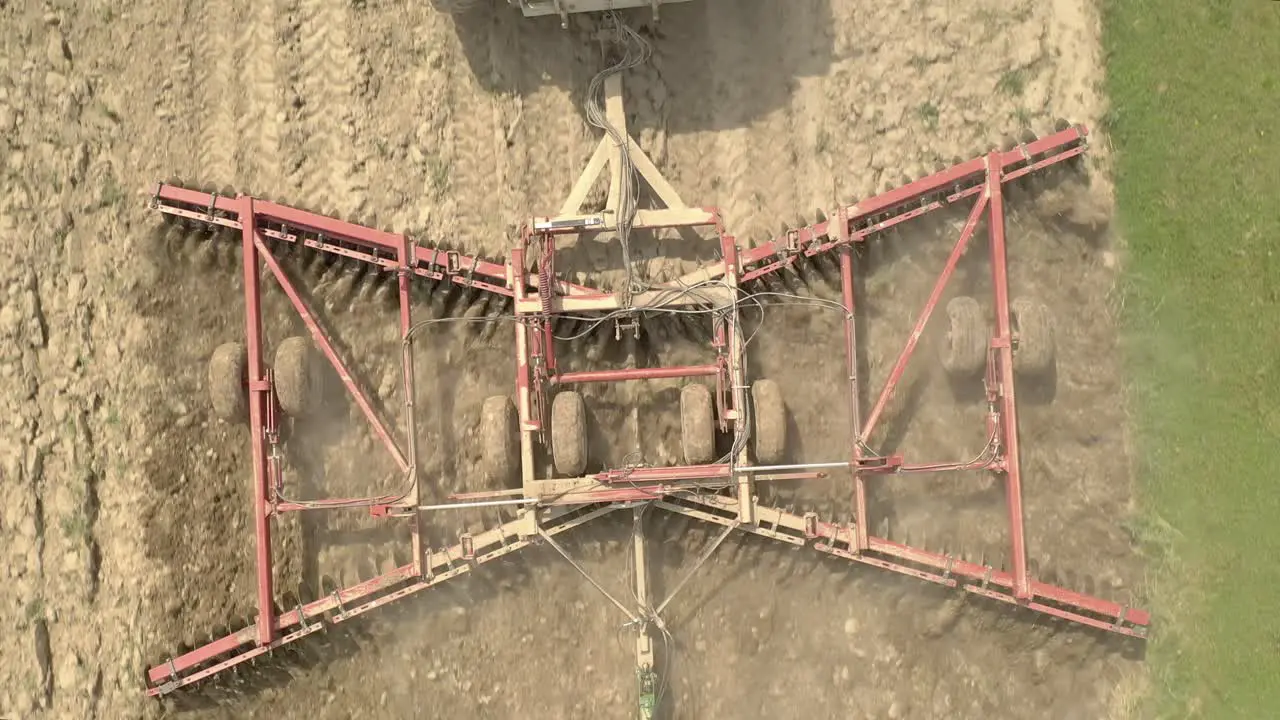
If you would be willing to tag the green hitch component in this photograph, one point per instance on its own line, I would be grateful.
(648, 692)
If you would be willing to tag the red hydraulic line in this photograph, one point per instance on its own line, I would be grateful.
(679, 371)
(1002, 351)
(259, 396)
(938, 287)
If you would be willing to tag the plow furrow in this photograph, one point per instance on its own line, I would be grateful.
(214, 67)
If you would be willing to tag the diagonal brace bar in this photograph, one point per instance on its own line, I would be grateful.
(565, 554)
(326, 347)
(935, 295)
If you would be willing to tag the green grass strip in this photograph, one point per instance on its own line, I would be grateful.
(1195, 90)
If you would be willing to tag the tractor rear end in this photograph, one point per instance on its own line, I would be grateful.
(562, 8)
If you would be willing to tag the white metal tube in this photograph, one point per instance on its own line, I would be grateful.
(801, 466)
(483, 503)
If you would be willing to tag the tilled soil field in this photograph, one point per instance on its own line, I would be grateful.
(126, 526)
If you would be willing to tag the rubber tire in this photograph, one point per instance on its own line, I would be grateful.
(498, 446)
(569, 433)
(229, 381)
(769, 422)
(964, 350)
(1036, 348)
(697, 424)
(297, 377)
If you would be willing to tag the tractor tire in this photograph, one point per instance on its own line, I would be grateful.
(297, 377)
(964, 350)
(769, 422)
(569, 433)
(697, 424)
(1036, 348)
(498, 446)
(229, 381)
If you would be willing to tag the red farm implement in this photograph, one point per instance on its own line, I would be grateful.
(536, 434)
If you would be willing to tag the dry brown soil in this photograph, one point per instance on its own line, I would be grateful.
(124, 523)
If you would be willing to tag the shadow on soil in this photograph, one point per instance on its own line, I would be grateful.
(712, 67)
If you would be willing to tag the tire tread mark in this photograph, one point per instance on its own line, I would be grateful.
(259, 126)
(214, 71)
(469, 158)
(326, 174)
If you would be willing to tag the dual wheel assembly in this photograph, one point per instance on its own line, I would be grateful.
(964, 352)
(569, 447)
(297, 379)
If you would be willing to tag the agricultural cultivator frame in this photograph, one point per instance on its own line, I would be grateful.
(541, 425)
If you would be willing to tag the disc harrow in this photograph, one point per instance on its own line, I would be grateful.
(534, 439)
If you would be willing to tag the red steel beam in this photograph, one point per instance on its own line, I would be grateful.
(439, 263)
(259, 396)
(986, 581)
(955, 183)
(839, 540)
(409, 389)
(1002, 353)
(527, 389)
(998, 578)
(592, 376)
(855, 410)
(446, 563)
(310, 611)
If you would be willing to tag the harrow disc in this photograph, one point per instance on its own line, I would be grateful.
(228, 381)
(568, 433)
(697, 429)
(1035, 350)
(297, 377)
(769, 421)
(964, 351)
(498, 438)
